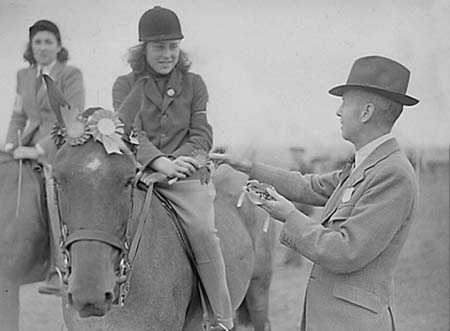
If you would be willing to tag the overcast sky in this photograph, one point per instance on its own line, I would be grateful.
(268, 65)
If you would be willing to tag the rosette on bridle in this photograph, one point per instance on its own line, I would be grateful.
(106, 127)
(75, 132)
(76, 129)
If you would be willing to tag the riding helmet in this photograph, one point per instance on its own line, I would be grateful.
(159, 24)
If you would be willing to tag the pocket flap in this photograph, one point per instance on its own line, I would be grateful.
(357, 296)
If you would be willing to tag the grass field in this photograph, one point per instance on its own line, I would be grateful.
(422, 279)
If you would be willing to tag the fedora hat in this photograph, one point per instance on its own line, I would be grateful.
(379, 75)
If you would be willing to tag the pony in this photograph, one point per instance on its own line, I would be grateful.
(125, 266)
(24, 238)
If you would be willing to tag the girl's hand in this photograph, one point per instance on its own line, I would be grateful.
(220, 156)
(181, 167)
(27, 152)
(280, 208)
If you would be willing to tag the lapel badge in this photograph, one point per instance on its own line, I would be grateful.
(170, 92)
(348, 192)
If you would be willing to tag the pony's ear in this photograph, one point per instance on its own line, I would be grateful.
(56, 98)
(131, 106)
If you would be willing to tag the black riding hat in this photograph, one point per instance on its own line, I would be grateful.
(159, 24)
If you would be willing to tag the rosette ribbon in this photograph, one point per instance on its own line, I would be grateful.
(106, 127)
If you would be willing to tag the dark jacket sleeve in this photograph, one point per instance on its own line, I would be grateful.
(121, 88)
(18, 117)
(200, 133)
(147, 151)
(130, 109)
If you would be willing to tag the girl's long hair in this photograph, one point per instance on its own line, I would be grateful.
(138, 62)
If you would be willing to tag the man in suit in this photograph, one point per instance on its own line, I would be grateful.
(368, 206)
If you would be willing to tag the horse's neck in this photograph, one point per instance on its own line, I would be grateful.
(156, 212)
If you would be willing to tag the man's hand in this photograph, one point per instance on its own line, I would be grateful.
(238, 162)
(280, 208)
(27, 152)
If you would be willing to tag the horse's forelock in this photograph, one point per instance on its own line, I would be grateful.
(78, 157)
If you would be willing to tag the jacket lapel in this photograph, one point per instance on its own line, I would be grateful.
(55, 74)
(174, 85)
(358, 175)
(151, 91)
(56, 71)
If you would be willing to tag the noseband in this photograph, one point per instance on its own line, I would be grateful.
(128, 249)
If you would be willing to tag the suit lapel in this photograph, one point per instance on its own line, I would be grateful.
(380, 153)
(174, 85)
(333, 202)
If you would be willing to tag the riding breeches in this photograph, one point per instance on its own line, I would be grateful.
(194, 204)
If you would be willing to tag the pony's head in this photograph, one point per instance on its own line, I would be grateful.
(94, 173)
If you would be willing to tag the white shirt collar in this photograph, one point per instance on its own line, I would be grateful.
(45, 69)
(367, 149)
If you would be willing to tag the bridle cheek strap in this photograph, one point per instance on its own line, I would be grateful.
(95, 235)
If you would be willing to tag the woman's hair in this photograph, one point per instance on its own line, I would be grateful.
(62, 56)
(138, 62)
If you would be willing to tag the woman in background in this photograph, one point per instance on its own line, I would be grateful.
(32, 115)
(32, 118)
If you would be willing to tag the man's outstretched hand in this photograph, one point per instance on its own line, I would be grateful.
(222, 156)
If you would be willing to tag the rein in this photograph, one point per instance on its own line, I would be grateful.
(128, 249)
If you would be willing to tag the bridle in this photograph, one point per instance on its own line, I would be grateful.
(127, 246)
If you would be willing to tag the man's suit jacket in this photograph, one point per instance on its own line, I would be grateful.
(357, 244)
(32, 114)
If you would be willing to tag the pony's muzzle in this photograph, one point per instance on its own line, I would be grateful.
(92, 280)
(89, 307)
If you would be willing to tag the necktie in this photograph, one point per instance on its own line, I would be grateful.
(347, 169)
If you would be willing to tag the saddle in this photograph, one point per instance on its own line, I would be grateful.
(184, 240)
